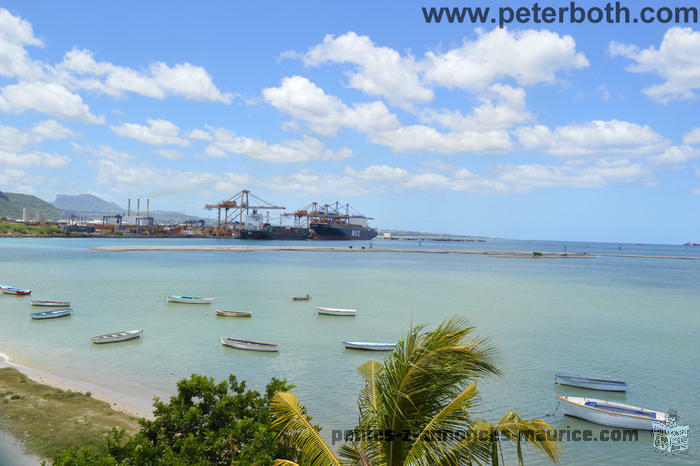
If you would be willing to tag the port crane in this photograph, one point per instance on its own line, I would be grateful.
(235, 210)
(324, 213)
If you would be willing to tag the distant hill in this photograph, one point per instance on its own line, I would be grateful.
(86, 203)
(11, 205)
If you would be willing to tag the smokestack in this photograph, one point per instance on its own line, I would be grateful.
(128, 210)
(138, 207)
(148, 207)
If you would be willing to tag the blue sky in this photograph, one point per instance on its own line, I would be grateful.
(559, 131)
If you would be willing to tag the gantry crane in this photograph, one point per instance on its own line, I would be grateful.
(236, 210)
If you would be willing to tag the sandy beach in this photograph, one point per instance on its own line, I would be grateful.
(494, 253)
(130, 400)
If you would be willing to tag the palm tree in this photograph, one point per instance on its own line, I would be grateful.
(415, 408)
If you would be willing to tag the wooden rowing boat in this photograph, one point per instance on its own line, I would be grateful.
(249, 345)
(334, 311)
(593, 384)
(369, 346)
(37, 302)
(610, 413)
(222, 313)
(15, 291)
(118, 336)
(301, 298)
(174, 298)
(52, 314)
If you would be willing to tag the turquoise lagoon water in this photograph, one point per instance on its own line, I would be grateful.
(631, 319)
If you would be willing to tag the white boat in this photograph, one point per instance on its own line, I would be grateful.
(610, 413)
(593, 384)
(174, 298)
(38, 302)
(118, 336)
(52, 314)
(370, 346)
(15, 291)
(334, 311)
(249, 345)
(301, 298)
(222, 313)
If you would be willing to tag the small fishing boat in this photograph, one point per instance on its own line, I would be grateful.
(586, 382)
(334, 311)
(52, 314)
(610, 413)
(222, 313)
(249, 344)
(118, 336)
(174, 298)
(369, 346)
(15, 291)
(37, 302)
(301, 298)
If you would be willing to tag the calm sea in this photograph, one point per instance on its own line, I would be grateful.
(622, 318)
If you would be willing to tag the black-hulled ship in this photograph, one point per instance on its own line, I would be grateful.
(334, 222)
(342, 231)
(278, 232)
(255, 228)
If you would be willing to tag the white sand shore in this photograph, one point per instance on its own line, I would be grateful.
(131, 400)
(12, 452)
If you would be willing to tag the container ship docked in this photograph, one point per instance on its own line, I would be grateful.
(242, 219)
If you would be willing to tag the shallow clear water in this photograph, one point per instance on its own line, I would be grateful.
(632, 319)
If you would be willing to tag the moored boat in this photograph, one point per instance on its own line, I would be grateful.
(334, 311)
(118, 336)
(301, 298)
(15, 291)
(586, 382)
(369, 346)
(610, 413)
(223, 313)
(38, 302)
(174, 298)
(249, 345)
(52, 314)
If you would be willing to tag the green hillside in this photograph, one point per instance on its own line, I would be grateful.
(11, 205)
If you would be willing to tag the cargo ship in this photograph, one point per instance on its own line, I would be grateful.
(334, 222)
(256, 228)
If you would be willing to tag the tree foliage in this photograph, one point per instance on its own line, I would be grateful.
(205, 423)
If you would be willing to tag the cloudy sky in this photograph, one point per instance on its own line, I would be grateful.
(569, 131)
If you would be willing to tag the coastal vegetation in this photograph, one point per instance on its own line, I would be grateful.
(21, 229)
(49, 420)
(417, 408)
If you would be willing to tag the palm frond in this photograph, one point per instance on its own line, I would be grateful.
(536, 432)
(290, 416)
(437, 442)
(284, 463)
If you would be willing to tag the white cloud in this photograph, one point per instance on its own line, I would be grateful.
(80, 69)
(151, 180)
(425, 139)
(508, 111)
(380, 71)
(104, 151)
(693, 137)
(51, 129)
(158, 133)
(170, 154)
(15, 34)
(32, 159)
(594, 138)
(50, 98)
(529, 57)
(14, 140)
(301, 150)
(604, 92)
(676, 155)
(677, 60)
(199, 134)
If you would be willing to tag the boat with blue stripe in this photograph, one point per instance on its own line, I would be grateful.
(591, 383)
(52, 314)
